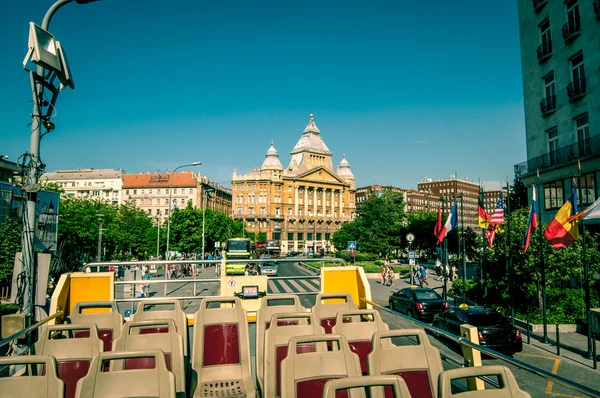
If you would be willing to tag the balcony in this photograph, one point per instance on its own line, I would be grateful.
(548, 105)
(576, 89)
(571, 30)
(539, 4)
(544, 51)
(562, 156)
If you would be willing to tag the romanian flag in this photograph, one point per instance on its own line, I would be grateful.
(531, 224)
(438, 224)
(561, 231)
(482, 217)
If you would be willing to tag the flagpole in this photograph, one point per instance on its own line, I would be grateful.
(543, 266)
(509, 259)
(586, 283)
(462, 239)
(444, 257)
(481, 273)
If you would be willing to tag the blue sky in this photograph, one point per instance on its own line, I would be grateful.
(406, 90)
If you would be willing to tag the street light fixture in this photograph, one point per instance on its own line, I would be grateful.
(170, 194)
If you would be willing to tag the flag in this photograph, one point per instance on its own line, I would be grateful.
(498, 216)
(451, 222)
(490, 234)
(561, 232)
(482, 217)
(532, 223)
(438, 223)
(592, 214)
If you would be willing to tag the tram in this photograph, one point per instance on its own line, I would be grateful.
(240, 341)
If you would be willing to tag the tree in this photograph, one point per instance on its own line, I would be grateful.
(52, 186)
(10, 244)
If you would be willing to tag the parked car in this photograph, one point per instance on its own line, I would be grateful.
(268, 269)
(418, 302)
(494, 330)
(293, 254)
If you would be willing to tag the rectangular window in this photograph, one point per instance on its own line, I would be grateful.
(239, 210)
(191, 190)
(263, 210)
(300, 235)
(578, 71)
(127, 192)
(553, 195)
(587, 190)
(289, 211)
(327, 236)
(150, 201)
(142, 191)
(290, 236)
(573, 15)
(546, 36)
(318, 236)
(553, 145)
(251, 210)
(150, 191)
(549, 87)
(582, 125)
(309, 235)
(135, 191)
(277, 211)
(158, 191)
(174, 190)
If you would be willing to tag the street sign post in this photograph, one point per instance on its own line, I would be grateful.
(352, 245)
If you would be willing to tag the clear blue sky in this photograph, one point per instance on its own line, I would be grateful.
(405, 89)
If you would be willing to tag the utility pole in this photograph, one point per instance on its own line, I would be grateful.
(158, 237)
(464, 258)
(99, 254)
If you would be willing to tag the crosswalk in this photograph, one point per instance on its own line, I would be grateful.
(284, 286)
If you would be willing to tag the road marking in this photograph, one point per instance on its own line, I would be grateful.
(554, 371)
(536, 356)
(274, 287)
(311, 286)
(297, 285)
(286, 287)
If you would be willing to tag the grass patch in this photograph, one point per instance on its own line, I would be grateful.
(368, 266)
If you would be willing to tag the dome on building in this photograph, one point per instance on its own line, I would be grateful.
(311, 140)
(343, 170)
(272, 160)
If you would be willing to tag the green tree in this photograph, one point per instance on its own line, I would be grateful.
(52, 187)
(10, 244)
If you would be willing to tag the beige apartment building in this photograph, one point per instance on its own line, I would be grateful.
(100, 184)
(414, 200)
(301, 205)
(212, 195)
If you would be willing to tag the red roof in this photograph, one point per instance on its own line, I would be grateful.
(184, 179)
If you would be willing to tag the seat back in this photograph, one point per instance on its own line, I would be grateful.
(277, 338)
(74, 346)
(327, 306)
(409, 354)
(357, 385)
(39, 380)
(164, 309)
(508, 384)
(147, 382)
(358, 327)
(304, 374)
(134, 338)
(109, 323)
(221, 349)
(269, 307)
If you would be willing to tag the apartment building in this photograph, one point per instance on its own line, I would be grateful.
(561, 86)
(212, 195)
(101, 184)
(414, 200)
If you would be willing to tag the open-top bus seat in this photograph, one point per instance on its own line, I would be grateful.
(374, 383)
(409, 354)
(39, 379)
(358, 327)
(74, 346)
(271, 305)
(134, 338)
(109, 323)
(164, 309)
(304, 374)
(221, 350)
(277, 337)
(147, 382)
(509, 386)
(327, 306)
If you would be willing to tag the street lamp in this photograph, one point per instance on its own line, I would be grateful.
(99, 254)
(170, 192)
(158, 237)
(204, 193)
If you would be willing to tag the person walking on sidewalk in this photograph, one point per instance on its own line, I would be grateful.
(424, 276)
(454, 272)
(390, 275)
(383, 273)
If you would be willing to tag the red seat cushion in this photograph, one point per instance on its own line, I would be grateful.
(221, 345)
(328, 324)
(104, 334)
(280, 354)
(362, 349)
(158, 329)
(417, 381)
(70, 372)
(314, 388)
(146, 362)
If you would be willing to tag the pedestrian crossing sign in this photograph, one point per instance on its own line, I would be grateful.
(352, 245)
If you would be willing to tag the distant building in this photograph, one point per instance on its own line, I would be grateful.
(8, 170)
(561, 87)
(414, 200)
(213, 196)
(102, 184)
(490, 200)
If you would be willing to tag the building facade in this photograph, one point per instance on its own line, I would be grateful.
(451, 190)
(212, 195)
(301, 205)
(101, 184)
(8, 170)
(561, 86)
(414, 200)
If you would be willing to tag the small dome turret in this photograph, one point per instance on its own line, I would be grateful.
(272, 159)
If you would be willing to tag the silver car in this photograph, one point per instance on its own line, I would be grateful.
(268, 269)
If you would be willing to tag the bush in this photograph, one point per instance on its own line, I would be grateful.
(379, 263)
(345, 254)
(6, 309)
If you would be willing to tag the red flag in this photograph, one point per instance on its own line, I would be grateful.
(490, 234)
(438, 225)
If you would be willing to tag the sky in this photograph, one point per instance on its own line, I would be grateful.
(406, 89)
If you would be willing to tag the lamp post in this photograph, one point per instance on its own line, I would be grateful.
(99, 253)
(35, 167)
(204, 193)
(170, 195)
(158, 237)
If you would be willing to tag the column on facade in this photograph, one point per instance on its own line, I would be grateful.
(305, 201)
(341, 203)
(324, 199)
(315, 206)
(295, 201)
(332, 201)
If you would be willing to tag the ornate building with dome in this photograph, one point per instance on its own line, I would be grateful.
(301, 205)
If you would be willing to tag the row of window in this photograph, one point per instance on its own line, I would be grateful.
(157, 202)
(158, 191)
(309, 236)
(554, 192)
(582, 131)
(84, 183)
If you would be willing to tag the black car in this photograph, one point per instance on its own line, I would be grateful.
(293, 254)
(418, 302)
(495, 331)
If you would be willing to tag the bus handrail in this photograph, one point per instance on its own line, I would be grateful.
(494, 354)
(29, 329)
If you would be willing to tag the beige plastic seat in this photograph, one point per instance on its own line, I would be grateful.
(99, 383)
(39, 379)
(305, 374)
(418, 362)
(395, 384)
(73, 354)
(109, 323)
(221, 350)
(170, 343)
(327, 305)
(358, 327)
(277, 337)
(269, 307)
(509, 386)
(164, 309)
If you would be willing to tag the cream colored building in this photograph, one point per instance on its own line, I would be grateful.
(301, 205)
(102, 184)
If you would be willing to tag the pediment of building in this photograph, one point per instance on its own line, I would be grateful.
(320, 174)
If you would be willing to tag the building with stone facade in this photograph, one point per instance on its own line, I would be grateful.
(212, 195)
(101, 184)
(301, 205)
(414, 200)
(561, 88)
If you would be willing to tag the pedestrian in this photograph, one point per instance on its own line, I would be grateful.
(391, 275)
(383, 272)
(424, 276)
(447, 271)
(454, 272)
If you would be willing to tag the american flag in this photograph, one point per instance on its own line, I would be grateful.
(498, 216)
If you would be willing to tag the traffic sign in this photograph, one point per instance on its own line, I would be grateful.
(232, 283)
(352, 245)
